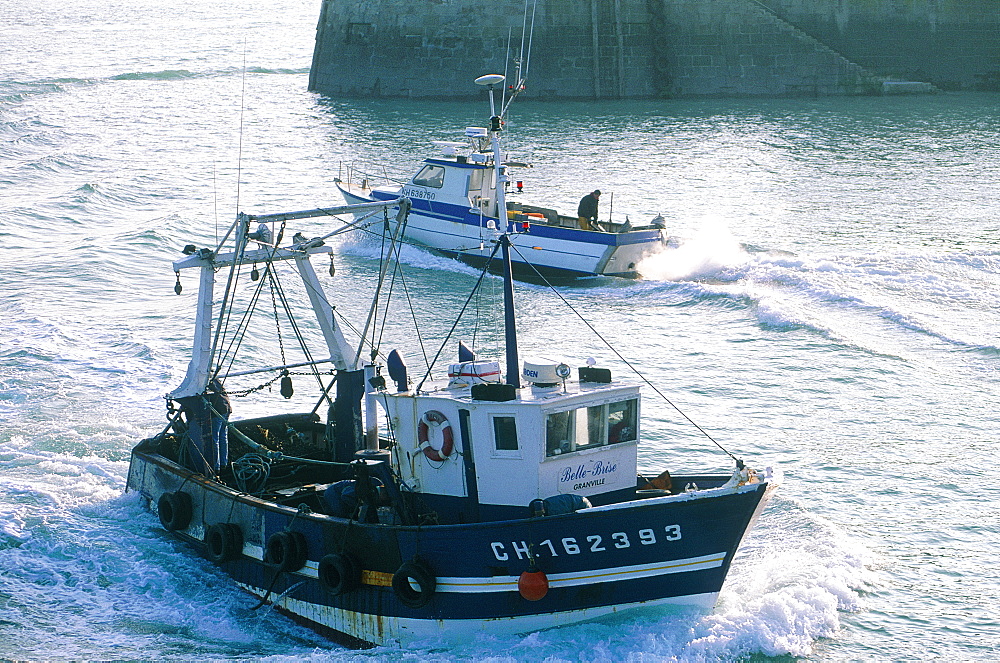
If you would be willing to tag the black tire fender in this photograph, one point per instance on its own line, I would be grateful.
(286, 550)
(223, 542)
(174, 510)
(339, 573)
(414, 573)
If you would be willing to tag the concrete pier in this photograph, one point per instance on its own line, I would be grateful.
(617, 49)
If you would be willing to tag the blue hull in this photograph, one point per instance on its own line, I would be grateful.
(670, 549)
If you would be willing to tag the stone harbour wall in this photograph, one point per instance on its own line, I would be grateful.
(616, 49)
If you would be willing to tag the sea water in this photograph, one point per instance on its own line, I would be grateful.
(828, 305)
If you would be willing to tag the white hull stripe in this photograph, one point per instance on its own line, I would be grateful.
(476, 585)
(466, 585)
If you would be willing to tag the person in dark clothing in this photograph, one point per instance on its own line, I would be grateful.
(207, 417)
(587, 211)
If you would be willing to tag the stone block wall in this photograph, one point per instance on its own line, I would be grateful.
(739, 48)
(613, 49)
(436, 48)
(953, 44)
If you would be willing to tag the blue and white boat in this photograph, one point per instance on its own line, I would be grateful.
(457, 199)
(502, 498)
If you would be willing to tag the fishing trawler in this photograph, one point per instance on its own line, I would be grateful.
(502, 498)
(460, 196)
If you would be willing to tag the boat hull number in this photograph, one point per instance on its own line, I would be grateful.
(422, 194)
(594, 543)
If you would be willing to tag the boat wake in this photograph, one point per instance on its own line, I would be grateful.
(371, 247)
(876, 302)
(711, 251)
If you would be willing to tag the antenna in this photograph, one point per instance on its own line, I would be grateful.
(524, 58)
(215, 202)
(506, 63)
(239, 152)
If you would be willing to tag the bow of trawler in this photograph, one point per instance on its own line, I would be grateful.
(462, 196)
(494, 495)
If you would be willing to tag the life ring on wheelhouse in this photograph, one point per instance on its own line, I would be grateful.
(433, 418)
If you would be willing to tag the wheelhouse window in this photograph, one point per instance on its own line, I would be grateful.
(476, 180)
(622, 418)
(505, 433)
(590, 427)
(430, 175)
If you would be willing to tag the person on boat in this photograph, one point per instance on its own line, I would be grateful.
(207, 417)
(587, 211)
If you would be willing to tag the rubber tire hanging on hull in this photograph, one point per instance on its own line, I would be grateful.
(417, 573)
(339, 573)
(224, 542)
(174, 510)
(286, 550)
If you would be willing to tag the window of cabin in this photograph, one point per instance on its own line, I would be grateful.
(591, 431)
(505, 433)
(590, 427)
(559, 432)
(430, 175)
(476, 180)
(622, 418)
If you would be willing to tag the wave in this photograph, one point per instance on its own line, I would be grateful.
(182, 74)
(164, 75)
(711, 252)
(851, 298)
(371, 247)
(15, 92)
(107, 565)
(277, 70)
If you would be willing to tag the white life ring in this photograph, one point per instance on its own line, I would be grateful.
(437, 420)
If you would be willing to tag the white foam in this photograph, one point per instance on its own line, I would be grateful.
(409, 254)
(712, 249)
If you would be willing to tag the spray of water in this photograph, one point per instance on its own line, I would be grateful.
(713, 248)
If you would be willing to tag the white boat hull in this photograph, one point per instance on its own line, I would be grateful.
(549, 249)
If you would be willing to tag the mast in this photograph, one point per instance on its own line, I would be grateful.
(496, 126)
(509, 324)
(503, 224)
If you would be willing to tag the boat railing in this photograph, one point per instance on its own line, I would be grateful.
(368, 174)
(535, 214)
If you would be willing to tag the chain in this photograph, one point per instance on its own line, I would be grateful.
(251, 390)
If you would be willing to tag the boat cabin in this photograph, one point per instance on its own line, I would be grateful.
(478, 450)
(462, 183)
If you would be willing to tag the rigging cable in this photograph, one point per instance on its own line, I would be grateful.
(244, 323)
(400, 229)
(269, 276)
(626, 361)
(241, 238)
(298, 333)
(398, 270)
(451, 331)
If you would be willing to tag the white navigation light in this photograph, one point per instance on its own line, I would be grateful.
(490, 79)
